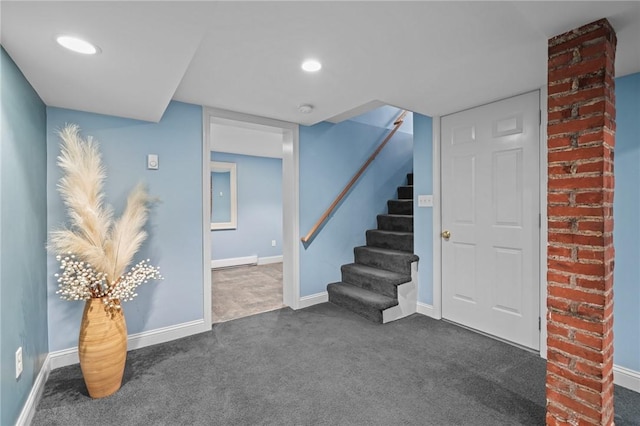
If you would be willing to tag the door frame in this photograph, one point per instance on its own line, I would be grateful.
(290, 204)
(437, 216)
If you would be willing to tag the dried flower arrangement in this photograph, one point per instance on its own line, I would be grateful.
(95, 250)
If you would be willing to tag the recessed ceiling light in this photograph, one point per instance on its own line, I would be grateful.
(77, 45)
(311, 65)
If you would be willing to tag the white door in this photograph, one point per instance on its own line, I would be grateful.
(490, 207)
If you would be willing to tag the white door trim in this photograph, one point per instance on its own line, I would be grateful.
(290, 204)
(543, 221)
(206, 218)
(437, 218)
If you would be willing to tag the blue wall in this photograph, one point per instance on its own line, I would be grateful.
(385, 116)
(330, 154)
(259, 182)
(175, 224)
(423, 216)
(626, 234)
(23, 293)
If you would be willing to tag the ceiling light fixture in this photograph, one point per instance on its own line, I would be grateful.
(305, 108)
(77, 45)
(311, 65)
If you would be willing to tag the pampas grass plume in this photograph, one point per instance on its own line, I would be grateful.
(93, 235)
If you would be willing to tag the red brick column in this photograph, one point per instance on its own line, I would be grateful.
(580, 255)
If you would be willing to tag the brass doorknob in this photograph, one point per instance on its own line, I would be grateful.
(446, 234)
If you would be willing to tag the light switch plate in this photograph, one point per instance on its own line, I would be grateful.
(152, 162)
(425, 200)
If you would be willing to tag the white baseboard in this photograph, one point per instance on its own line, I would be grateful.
(136, 341)
(428, 310)
(235, 261)
(269, 259)
(166, 334)
(246, 260)
(626, 378)
(63, 357)
(313, 299)
(29, 408)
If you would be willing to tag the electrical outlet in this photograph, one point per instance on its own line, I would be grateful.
(273, 243)
(19, 362)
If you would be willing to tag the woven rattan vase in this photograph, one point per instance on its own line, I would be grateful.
(102, 348)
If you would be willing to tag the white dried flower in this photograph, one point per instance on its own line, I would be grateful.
(80, 281)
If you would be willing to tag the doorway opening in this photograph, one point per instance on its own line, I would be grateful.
(246, 228)
(250, 246)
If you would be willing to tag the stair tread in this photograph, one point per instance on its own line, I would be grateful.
(375, 300)
(382, 231)
(389, 252)
(395, 222)
(403, 204)
(393, 277)
(387, 258)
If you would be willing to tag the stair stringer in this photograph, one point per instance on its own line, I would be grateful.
(407, 298)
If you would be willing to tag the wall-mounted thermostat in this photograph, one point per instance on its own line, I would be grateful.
(152, 162)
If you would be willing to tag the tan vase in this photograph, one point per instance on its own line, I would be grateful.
(102, 348)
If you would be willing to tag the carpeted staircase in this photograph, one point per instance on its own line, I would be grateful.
(381, 284)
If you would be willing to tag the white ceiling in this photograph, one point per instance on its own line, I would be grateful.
(429, 57)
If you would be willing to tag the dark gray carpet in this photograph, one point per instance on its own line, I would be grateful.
(319, 366)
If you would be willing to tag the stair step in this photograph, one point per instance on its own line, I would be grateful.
(363, 302)
(405, 192)
(409, 178)
(395, 222)
(393, 240)
(373, 279)
(389, 260)
(400, 207)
